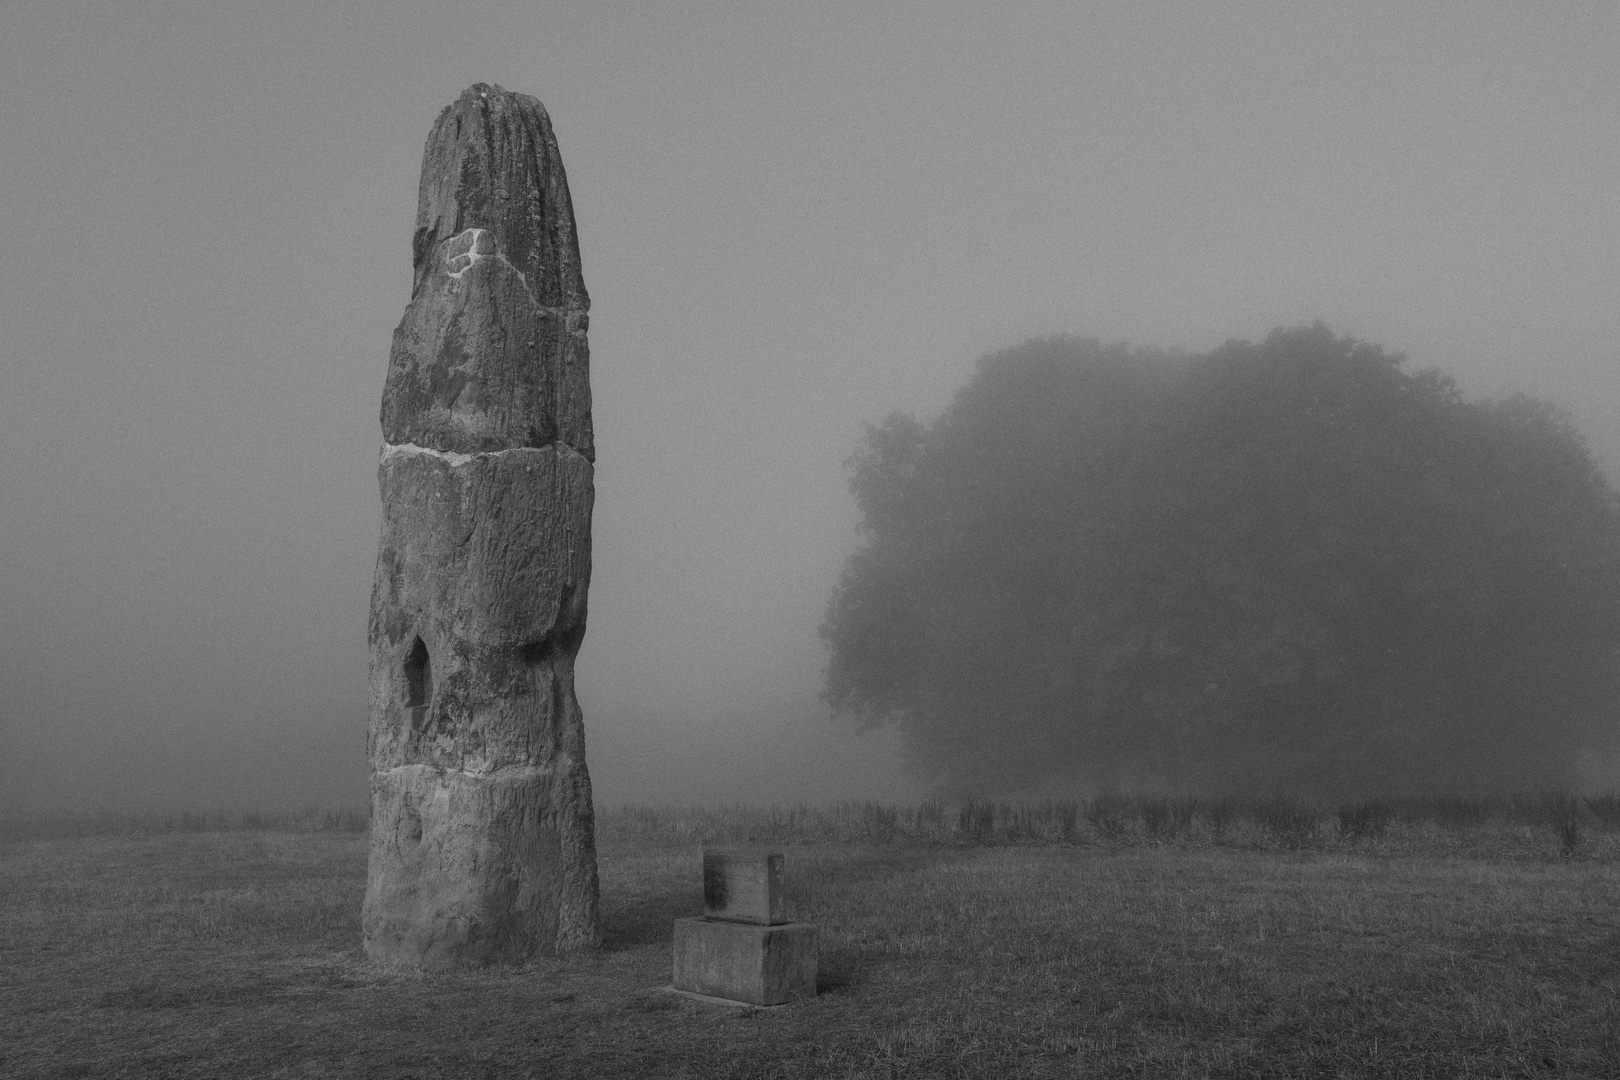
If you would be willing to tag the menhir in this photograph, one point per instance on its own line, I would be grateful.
(482, 844)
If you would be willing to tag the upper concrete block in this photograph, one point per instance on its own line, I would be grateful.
(743, 885)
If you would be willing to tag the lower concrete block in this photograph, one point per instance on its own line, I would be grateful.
(762, 965)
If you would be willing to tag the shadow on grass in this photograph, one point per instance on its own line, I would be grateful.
(838, 973)
(631, 922)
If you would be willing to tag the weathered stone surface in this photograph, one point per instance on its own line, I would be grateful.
(743, 885)
(492, 351)
(762, 965)
(482, 832)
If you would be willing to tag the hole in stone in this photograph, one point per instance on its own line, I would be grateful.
(418, 681)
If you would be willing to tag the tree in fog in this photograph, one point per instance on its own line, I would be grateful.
(1289, 567)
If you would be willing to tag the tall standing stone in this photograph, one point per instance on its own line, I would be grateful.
(482, 837)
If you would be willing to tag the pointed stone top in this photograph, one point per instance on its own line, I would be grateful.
(491, 163)
(492, 351)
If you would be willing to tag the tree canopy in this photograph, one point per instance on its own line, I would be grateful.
(1289, 567)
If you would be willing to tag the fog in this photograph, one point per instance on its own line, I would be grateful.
(793, 219)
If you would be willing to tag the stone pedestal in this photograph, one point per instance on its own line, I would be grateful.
(761, 965)
(744, 949)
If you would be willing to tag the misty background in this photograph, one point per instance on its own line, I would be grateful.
(793, 219)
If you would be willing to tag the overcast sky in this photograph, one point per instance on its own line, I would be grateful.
(793, 218)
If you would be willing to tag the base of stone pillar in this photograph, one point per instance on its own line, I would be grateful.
(759, 965)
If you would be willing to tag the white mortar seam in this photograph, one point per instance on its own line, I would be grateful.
(504, 771)
(473, 255)
(454, 459)
(390, 449)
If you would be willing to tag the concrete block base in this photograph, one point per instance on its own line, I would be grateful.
(760, 965)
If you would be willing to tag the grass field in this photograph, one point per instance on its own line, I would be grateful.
(1127, 938)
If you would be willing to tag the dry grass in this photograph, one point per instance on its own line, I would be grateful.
(1471, 947)
(1524, 827)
